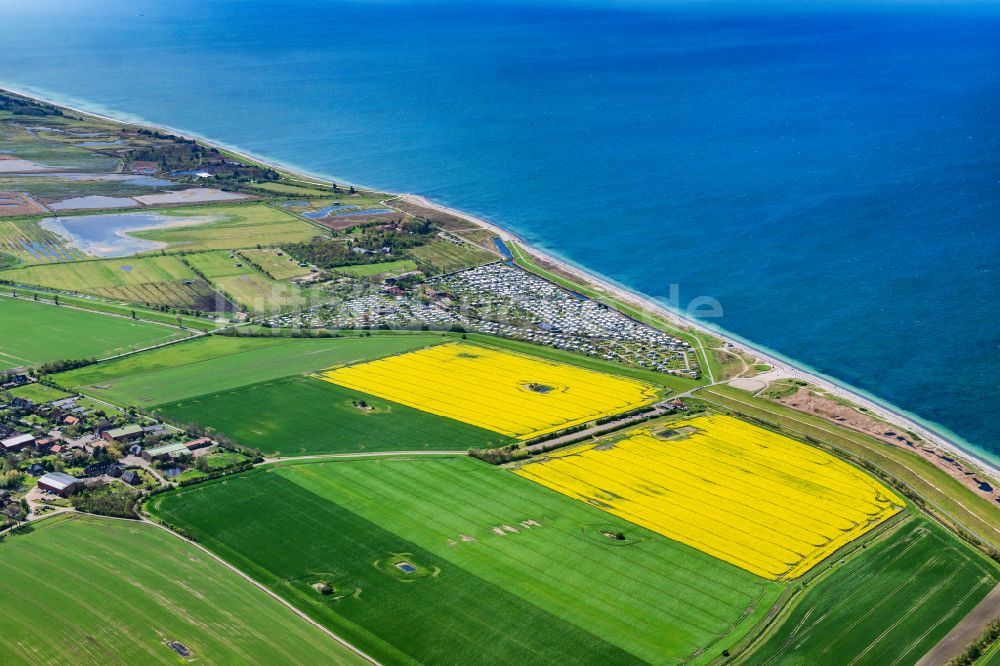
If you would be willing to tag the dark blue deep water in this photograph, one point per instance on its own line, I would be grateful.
(830, 173)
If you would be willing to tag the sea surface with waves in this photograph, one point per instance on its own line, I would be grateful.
(830, 172)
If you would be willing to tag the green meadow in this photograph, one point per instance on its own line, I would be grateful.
(100, 274)
(452, 561)
(238, 226)
(38, 393)
(888, 606)
(448, 257)
(306, 416)
(366, 270)
(35, 333)
(218, 363)
(116, 592)
(245, 285)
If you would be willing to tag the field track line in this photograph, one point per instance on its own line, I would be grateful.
(362, 454)
(261, 586)
(965, 632)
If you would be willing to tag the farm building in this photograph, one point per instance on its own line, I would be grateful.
(35, 469)
(17, 443)
(131, 477)
(145, 168)
(123, 434)
(166, 452)
(59, 483)
(199, 443)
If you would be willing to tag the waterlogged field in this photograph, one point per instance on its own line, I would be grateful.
(219, 363)
(29, 243)
(452, 561)
(34, 333)
(119, 591)
(746, 495)
(306, 416)
(888, 606)
(513, 394)
(241, 226)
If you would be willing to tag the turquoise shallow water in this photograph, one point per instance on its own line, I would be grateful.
(830, 174)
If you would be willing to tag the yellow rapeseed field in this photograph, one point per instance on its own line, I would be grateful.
(513, 394)
(746, 495)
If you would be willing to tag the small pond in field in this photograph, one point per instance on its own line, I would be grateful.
(108, 235)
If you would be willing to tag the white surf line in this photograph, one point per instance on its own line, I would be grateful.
(629, 296)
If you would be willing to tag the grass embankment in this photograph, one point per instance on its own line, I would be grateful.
(116, 591)
(503, 570)
(34, 333)
(947, 495)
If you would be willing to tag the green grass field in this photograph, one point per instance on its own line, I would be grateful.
(115, 591)
(95, 275)
(214, 264)
(245, 285)
(241, 226)
(151, 280)
(276, 263)
(38, 393)
(448, 257)
(549, 586)
(38, 332)
(111, 307)
(889, 606)
(218, 363)
(258, 293)
(366, 270)
(304, 416)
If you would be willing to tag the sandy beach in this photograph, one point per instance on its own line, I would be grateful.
(781, 367)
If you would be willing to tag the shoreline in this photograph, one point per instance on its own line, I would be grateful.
(930, 433)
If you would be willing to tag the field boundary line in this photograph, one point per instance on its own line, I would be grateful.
(51, 301)
(274, 595)
(361, 454)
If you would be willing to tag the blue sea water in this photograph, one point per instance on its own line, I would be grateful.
(830, 172)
